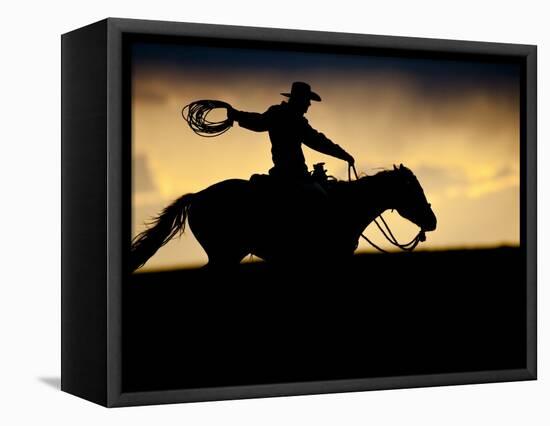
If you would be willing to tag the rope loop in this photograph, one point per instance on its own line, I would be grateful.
(196, 116)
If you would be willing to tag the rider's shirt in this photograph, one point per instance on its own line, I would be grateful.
(287, 131)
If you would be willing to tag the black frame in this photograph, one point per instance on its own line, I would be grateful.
(94, 190)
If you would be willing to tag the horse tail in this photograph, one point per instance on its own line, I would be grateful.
(169, 223)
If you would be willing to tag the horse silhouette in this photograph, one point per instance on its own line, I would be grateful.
(283, 224)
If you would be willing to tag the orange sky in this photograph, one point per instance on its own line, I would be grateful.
(463, 145)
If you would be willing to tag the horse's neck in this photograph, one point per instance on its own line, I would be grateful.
(364, 217)
(366, 201)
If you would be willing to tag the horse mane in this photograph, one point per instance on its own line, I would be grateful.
(365, 178)
(383, 181)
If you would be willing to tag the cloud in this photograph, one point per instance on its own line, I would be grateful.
(437, 179)
(505, 172)
(470, 221)
(142, 177)
(150, 91)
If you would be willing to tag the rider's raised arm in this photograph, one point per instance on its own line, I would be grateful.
(252, 120)
(319, 142)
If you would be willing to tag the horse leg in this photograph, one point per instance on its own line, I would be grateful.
(222, 245)
(224, 258)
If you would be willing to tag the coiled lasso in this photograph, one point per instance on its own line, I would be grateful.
(196, 114)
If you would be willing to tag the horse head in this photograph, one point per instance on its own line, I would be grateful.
(411, 203)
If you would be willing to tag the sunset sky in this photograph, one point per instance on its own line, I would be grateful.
(455, 124)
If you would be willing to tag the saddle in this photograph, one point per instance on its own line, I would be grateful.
(301, 202)
(269, 182)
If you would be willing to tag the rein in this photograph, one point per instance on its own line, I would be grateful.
(387, 233)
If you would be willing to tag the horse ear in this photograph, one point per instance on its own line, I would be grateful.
(401, 166)
(394, 167)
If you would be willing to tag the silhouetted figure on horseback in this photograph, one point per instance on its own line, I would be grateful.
(291, 217)
(288, 129)
(305, 199)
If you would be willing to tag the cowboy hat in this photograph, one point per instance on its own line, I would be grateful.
(302, 90)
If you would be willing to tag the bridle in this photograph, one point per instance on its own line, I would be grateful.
(387, 233)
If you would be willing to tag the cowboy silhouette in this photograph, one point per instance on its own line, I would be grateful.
(288, 129)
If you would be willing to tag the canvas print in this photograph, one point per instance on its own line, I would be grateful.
(304, 214)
